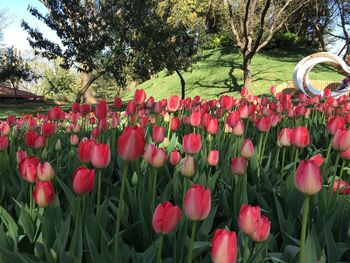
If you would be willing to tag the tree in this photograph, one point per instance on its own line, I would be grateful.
(14, 69)
(254, 22)
(82, 27)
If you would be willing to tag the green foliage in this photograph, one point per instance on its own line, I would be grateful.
(283, 40)
(58, 83)
(14, 69)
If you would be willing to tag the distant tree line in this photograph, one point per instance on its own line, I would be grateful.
(120, 41)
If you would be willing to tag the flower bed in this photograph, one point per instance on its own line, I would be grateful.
(255, 179)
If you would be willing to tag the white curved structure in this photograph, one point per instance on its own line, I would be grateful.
(303, 68)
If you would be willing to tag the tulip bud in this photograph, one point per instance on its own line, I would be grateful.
(285, 137)
(188, 166)
(341, 140)
(58, 145)
(173, 103)
(158, 157)
(224, 246)
(247, 149)
(85, 149)
(74, 139)
(44, 154)
(165, 218)
(158, 134)
(139, 96)
(43, 193)
(195, 118)
(300, 137)
(134, 179)
(165, 142)
(45, 171)
(197, 202)
(40, 142)
(238, 129)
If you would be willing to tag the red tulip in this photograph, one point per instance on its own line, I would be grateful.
(101, 110)
(300, 137)
(173, 103)
(196, 118)
(149, 150)
(317, 159)
(85, 149)
(30, 138)
(238, 165)
(226, 102)
(45, 172)
(28, 169)
(244, 92)
(175, 124)
(174, 157)
(248, 218)
(345, 154)
(232, 119)
(4, 143)
(213, 157)
(131, 143)
(158, 157)
(165, 218)
(44, 193)
(56, 114)
(101, 155)
(118, 102)
(150, 102)
(327, 93)
(340, 185)
(158, 134)
(263, 124)
(308, 178)
(130, 107)
(20, 156)
(238, 129)
(85, 109)
(247, 149)
(139, 96)
(40, 142)
(334, 124)
(157, 108)
(272, 90)
(188, 166)
(285, 137)
(212, 126)
(11, 120)
(224, 246)
(191, 143)
(83, 180)
(263, 230)
(341, 140)
(75, 107)
(48, 128)
(197, 202)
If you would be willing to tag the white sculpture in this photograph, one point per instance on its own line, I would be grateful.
(303, 68)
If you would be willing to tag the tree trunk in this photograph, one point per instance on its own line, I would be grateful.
(247, 69)
(15, 90)
(183, 84)
(86, 82)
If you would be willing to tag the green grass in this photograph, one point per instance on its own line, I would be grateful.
(219, 72)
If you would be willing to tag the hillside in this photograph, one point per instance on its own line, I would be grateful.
(218, 72)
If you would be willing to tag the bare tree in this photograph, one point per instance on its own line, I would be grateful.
(254, 22)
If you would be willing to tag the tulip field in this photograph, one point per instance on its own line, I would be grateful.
(249, 179)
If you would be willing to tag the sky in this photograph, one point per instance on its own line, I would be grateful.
(14, 35)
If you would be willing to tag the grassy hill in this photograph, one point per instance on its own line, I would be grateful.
(219, 72)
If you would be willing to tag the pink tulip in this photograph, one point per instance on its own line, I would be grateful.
(308, 178)
(197, 202)
(165, 218)
(224, 246)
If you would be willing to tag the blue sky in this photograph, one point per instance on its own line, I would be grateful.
(14, 35)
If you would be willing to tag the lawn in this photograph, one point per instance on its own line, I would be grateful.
(218, 72)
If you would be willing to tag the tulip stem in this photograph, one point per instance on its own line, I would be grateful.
(245, 249)
(171, 116)
(31, 199)
(303, 229)
(154, 188)
(327, 157)
(160, 246)
(333, 178)
(282, 164)
(186, 184)
(99, 187)
(119, 211)
(190, 249)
